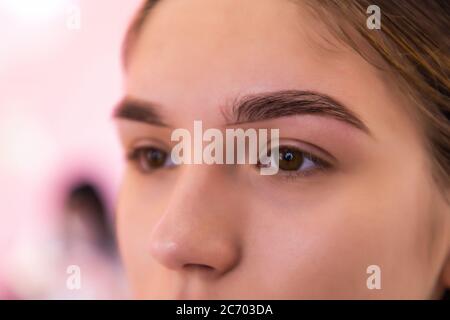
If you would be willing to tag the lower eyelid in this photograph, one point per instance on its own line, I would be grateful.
(298, 175)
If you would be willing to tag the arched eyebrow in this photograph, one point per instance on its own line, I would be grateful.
(271, 105)
(253, 108)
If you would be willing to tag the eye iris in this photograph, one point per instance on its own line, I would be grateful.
(290, 159)
(152, 158)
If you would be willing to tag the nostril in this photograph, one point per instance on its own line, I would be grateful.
(198, 267)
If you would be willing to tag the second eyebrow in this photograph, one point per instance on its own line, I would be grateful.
(138, 110)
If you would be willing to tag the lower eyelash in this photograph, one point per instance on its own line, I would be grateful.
(292, 175)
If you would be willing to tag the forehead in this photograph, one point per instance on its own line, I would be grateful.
(194, 55)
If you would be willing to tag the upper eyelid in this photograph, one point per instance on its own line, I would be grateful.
(147, 143)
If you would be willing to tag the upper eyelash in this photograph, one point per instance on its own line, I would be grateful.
(133, 153)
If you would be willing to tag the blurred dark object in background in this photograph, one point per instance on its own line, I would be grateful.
(85, 209)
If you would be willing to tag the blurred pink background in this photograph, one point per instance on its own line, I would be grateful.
(60, 76)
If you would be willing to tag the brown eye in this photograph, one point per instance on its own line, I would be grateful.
(150, 158)
(291, 159)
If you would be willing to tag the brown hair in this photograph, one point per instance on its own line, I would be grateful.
(413, 41)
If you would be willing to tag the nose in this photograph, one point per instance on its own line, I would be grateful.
(198, 231)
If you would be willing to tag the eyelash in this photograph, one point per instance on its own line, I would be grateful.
(320, 165)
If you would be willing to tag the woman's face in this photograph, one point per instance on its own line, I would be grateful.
(202, 231)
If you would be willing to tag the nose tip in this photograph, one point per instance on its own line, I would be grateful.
(166, 253)
(212, 257)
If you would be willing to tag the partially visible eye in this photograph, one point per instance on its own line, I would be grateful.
(293, 161)
(150, 158)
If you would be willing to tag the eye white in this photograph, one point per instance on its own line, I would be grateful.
(307, 164)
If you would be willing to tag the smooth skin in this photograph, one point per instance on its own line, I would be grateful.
(227, 232)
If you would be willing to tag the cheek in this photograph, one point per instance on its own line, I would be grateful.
(323, 249)
(313, 253)
(137, 211)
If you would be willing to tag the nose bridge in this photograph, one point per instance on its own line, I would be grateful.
(196, 228)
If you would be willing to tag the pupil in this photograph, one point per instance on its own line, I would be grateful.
(288, 156)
